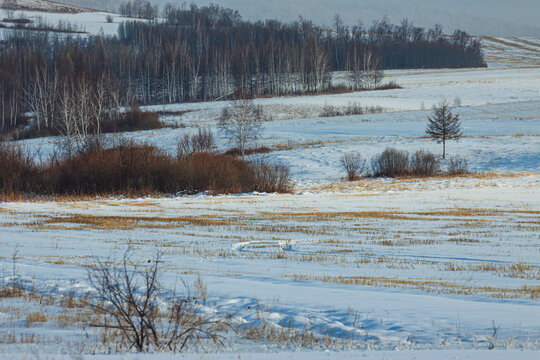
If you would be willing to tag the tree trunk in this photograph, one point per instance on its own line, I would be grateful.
(444, 149)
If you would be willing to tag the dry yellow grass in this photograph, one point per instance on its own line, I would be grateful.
(510, 44)
(35, 317)
(94, 222)
(429, 286)
(477, 212)
(329, 216)
(297, 145)
(494, 175)
(462, 240)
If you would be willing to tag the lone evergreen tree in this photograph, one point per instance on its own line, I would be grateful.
(443, 125)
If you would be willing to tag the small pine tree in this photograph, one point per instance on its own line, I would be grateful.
(443, 125)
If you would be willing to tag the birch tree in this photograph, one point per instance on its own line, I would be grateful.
(241, 124)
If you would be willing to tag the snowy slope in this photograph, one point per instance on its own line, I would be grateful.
(511, 51)
(43, 5)
(89, 21)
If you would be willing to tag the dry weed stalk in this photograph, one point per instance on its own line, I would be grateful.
(133, 302)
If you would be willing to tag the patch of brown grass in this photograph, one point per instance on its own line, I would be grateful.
(35, 317)
(297, 145)
(462, 240)
(94, 222)
(429, 286)
(494, 175)
(325, 216)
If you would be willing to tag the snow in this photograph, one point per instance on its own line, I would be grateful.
(45, 5)
(237, 260)
(91, 22)
(365, 355)
(424, 266)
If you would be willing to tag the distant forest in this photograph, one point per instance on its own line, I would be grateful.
(207, 53)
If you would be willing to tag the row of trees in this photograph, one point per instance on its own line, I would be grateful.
(139, 9)
(210, 53)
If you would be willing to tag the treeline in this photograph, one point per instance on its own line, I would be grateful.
(207, 53)
(138, 9)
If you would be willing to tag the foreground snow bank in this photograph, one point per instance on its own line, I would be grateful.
(365, 355)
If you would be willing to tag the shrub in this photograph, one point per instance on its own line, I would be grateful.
(214, 172)
(270, 177)
(391, 163)
(202, 141)
(135, 120)
(132, 302)
(353, 164)
(136, 170)
(127, 169)
(424, 163)
(352, 108)
(249, 151)
(458, 166)
(18, 172)
(392, 85)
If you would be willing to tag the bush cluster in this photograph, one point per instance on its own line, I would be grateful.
(135, 120)
(349, 109)
(397, 163)
(135, 170)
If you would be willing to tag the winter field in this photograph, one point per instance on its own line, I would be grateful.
(442, 268)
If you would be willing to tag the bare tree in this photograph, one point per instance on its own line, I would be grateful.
(443, 125)
(3, 106)
(371, 72)
(365, 69)
(40, 96)
(241, 123)
(132, 300)
(67, 122)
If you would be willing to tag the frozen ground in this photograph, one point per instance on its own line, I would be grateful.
(512, 52)
(383, 264)
(427, 267)
(366, 355)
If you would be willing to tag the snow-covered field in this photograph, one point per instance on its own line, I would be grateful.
(428, 267)
(86, 20)
(379, 264)
(499, 110)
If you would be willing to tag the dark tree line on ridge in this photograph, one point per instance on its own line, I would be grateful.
(201, 54)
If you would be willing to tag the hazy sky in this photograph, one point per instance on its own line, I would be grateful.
(489, 17)
(481, 17)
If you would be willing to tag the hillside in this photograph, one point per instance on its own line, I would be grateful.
(493, 17)
(42, 5)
